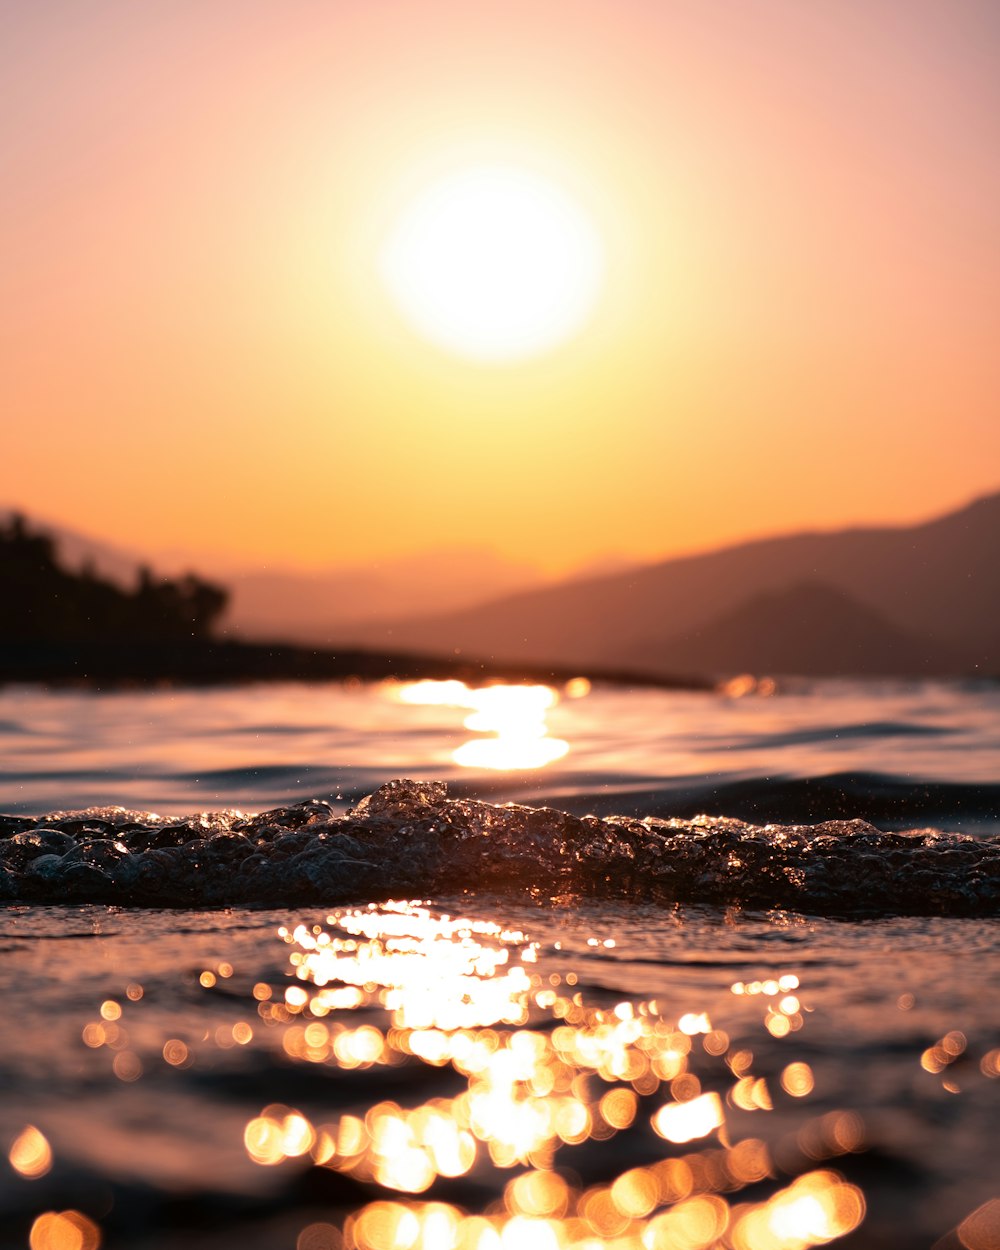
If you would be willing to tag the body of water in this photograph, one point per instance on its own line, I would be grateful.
(735, 987)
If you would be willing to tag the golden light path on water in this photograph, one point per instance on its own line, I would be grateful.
(573, 1119)
(513, 716)
(541, 1072)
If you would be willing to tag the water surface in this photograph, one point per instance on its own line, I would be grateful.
(541, 1061)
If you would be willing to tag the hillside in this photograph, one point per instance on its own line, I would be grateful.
(808, 628)
(63, 625)
(937, 584)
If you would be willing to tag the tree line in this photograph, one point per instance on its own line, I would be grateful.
(41, 601)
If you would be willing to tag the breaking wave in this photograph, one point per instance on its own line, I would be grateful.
(412, 839)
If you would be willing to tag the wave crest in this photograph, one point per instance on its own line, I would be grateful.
(412, 839)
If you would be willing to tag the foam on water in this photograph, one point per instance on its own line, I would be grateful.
(411, 838)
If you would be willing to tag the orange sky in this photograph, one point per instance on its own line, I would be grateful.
(799, 326)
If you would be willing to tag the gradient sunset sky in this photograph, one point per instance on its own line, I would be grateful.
(799, 202)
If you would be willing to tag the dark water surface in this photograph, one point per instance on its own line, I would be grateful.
(522, 1058)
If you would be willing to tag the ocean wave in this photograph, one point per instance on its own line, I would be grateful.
(894, 802)
(411, 839)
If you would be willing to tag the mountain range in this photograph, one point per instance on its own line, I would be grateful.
(874, 601)
(890, 601)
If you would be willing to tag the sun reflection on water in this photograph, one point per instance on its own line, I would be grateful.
(513, 716)
(64, 1230)
(30, 1154)
(539, 1071)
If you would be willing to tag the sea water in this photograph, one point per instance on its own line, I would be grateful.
(717, 994)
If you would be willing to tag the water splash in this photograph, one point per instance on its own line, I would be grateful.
(412, 839)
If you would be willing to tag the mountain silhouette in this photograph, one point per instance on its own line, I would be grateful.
(807, 628)
(930, 591)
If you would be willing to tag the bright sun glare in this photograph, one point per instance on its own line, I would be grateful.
(494, 263)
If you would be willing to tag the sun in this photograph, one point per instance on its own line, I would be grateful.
(494, 263)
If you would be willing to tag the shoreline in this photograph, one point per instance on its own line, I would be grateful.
(220, 663)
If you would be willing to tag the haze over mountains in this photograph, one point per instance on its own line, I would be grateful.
(916, 600)
(874, 601)
(290, 604)
(318, 607)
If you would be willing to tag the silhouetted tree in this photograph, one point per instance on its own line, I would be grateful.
(44, 602)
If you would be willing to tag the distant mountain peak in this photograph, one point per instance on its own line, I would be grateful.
(921, 599)
(809, 627)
